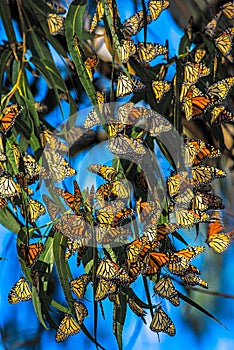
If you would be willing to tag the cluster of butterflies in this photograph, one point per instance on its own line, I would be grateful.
(134, 24)
(101, 217)
(55, 20)
(143, 256)
(128, 115)
(141, 52)
(192, 197)
(196, 102)
(223, 41)
(27, 169)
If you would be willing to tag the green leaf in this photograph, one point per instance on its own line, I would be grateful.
(37, 307)
(9, 220)
(200, 308)
(40, 10)
(4, 57)
(5, 15)
(74, 27)
(59, 247)
(119, 318)
(54, 82)
(59, 307)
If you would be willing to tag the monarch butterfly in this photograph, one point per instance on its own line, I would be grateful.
(134, 24)
(218, 91)
(73, 201)
(107, 269)
(224, 43)
(155, 261)
(134, 249)
(52, 208)
(134, 270)
(189, 218)
(123, 145)
(8, 116)
(191, 279)
(124, 85)
(228, 10)
(29, 253)
(178, 183)
(161, 322)
(211, 26)
(35, 210)
(160, 87)
(106, 214)
(68, 326)
(205, 201)
(81, 311)
(156, 233)
(130, 115)
(74, 227)
(31, 168)
(193, 269)
(98, 15)
(195, 103)
(20, 292)
(40, 107)
(193, 71)
(196, 151)
(55, 23)
(23, 182)
(184, 197)
(127, 49)
(3, 203)
(106, 234)
(220, 115)
(91, 120)
(58, 167)
(157, 124)
(147, 52)
(204, 188)
(217, 239)
(8, 187)
(106, 172)
(122, 215)
(79, 285)
(165, 289)
(145, 209)
(78, 136)
(143, 246)
(72, 247)
(113, 128)
(206, 174)
(189, 253)
(104, 288)
(60, 10)
(104, 193)
(156, 7)
(199, 55)
(117, 189)
(90, 64)
(141, 182)
(138, 86)
(52, 142)
(136, 308)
